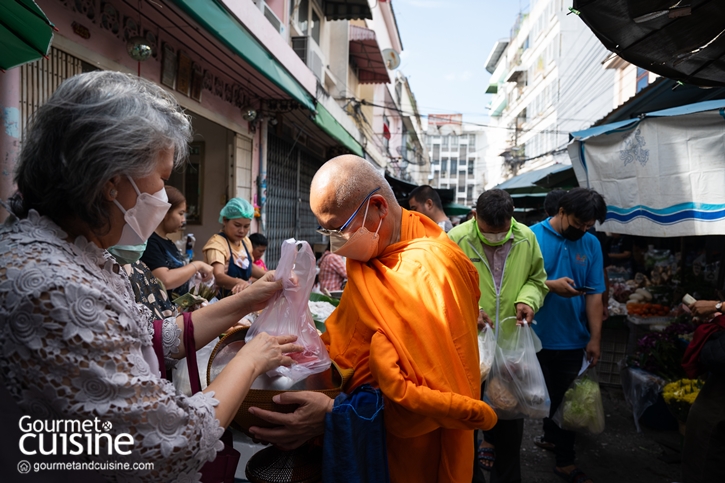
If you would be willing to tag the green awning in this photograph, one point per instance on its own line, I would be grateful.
(455, 209)
(329, 124)
(492, 89)
(25, 33)
(214, 17)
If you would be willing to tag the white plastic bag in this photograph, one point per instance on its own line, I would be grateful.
(582, 410)
(288, 313)
(516, 387)
(486, 350)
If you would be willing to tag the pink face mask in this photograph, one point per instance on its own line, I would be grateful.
(361, 245)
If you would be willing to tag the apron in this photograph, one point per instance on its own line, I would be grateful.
(234, 270)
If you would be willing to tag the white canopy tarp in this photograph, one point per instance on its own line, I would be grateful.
(662, 174)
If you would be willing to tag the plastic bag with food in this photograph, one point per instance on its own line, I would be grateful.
(287, 312)
(582, 410)
(516, 387)
(486, 350)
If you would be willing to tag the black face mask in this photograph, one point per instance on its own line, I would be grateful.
(572, 234)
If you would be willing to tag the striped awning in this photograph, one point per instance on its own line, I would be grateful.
(365, 53)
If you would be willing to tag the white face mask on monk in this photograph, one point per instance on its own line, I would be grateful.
(361, 245)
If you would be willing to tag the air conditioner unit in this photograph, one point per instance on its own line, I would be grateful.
(273, 19)
(311, 54)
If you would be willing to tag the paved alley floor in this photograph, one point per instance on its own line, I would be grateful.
(618, 455)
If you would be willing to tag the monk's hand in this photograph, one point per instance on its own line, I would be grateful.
(564, 287)
(524, 313)
(294, 429)
(483, 319)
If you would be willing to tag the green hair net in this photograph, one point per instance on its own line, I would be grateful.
(236, 208)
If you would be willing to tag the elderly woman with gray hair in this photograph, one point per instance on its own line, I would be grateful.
(75, 345)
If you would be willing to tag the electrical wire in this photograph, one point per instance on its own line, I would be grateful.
(470, 123)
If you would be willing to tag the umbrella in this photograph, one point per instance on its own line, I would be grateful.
(25, 33)
(684, 41)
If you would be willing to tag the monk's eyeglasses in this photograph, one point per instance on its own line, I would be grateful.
(326, 232)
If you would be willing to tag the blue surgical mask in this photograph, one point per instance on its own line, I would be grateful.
(127, 254)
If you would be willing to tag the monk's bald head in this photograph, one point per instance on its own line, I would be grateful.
(341, 184)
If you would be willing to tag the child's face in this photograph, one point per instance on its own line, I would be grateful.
(258, 251)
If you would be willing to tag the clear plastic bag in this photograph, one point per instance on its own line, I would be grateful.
(582, 410)
(287, 313)
(516, 387)
(486, 350)
(641, 390)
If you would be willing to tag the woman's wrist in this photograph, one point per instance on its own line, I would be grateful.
(193, 264)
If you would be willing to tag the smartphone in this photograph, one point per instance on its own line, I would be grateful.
(584, 289)
(688, 299)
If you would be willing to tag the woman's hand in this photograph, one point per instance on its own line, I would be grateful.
(204, 269)
(240, 286)
(703, 308)
(266, 352)
(257, 295)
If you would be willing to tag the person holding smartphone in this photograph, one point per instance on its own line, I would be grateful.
(570, 320)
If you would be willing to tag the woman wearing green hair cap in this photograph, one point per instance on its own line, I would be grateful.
(229, 251)
(236, 208)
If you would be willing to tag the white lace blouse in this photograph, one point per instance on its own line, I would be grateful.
(75, 345)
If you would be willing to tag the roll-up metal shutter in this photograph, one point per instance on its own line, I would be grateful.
(290, 170)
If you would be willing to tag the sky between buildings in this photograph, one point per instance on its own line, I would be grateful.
(445, 46)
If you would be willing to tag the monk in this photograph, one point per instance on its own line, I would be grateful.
(406, 324)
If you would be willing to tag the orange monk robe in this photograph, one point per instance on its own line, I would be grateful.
(406, 323)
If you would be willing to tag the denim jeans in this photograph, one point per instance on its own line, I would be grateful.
(560, 368)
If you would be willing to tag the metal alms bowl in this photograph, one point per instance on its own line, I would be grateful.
(264, 388)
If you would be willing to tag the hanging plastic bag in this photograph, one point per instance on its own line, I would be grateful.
(486, 350)
(287, 313)
(582, 410)
(516, 387)
(641, 390)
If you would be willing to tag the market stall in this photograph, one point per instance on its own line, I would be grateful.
(661, 175)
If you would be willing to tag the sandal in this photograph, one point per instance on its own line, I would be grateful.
(541, 443)
(486, 457)
(574, 476)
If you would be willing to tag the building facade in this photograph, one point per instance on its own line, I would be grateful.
(457, 154)
(272, 89)
(551, 77)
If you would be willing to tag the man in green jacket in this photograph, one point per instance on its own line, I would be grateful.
(513, 284)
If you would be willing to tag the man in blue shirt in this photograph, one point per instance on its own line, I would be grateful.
(570, 322)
